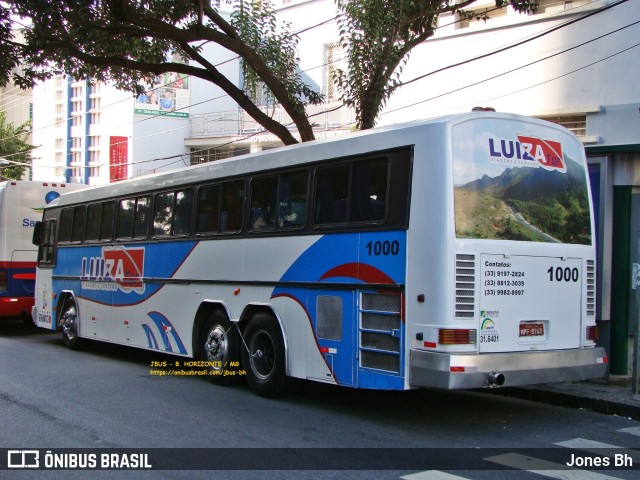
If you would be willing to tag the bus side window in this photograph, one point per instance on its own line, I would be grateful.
(46, 252)
(292, 200)
(141, 221)
(162, 214)
(182, 212)
(369, 190)
(108, 218)
(78, 224)
(332, 191)
(208, 209)
(126, 209)
(232, 206)
(94, 220)
(264, 193)
(66, 225)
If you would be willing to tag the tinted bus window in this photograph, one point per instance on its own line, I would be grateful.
(94, 220)
(292, 200)
(141, 221)
(219, 207)
(172, 213)
(47, 247)
(208, 209)
(264, 196)
(369, 190)
(66, 225)
(78, 224)
(355, 192)
(126, 209)
(332, 192)
(162, 214)
(108, 219)
(232, 206)
(182, 212)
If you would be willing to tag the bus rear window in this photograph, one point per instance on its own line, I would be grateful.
(520, 186)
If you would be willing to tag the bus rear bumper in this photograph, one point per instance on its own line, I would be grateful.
(15, 306)
(453, 371)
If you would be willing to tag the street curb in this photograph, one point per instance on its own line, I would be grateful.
(621, 407)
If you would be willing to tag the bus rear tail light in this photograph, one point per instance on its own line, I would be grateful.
(456, 336)
(3, 280)
(593, 333)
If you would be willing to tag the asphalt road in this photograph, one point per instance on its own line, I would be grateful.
(106, 398)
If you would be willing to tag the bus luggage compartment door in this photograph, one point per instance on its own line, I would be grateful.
(334, 330)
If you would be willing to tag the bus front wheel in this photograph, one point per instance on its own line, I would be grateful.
(69, 324)
(263, 356)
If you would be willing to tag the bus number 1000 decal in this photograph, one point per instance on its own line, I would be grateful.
(383, 248)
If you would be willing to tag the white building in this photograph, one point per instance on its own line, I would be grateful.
(89, 132)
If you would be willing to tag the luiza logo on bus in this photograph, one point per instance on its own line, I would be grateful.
(528, 151)
(118, 268)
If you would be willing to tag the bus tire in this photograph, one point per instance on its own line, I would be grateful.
(220, 349)
(263, 357)
(69, 323)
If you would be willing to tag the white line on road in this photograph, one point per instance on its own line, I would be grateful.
(631, 430)
(546, 468)
(600, 448)
(432, 475)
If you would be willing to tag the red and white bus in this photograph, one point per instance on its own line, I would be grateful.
(21, 206)
(455, 253)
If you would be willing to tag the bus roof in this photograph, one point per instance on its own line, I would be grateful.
(326, 148)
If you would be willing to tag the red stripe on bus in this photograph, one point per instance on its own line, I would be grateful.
(25, 276)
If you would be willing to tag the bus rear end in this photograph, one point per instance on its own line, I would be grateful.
(21, 206)
(517, 304)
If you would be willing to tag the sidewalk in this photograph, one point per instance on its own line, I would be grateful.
(613, 397)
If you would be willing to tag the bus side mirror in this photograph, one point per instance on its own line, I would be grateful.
(38, 231)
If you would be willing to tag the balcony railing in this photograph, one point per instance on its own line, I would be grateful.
(238, 122)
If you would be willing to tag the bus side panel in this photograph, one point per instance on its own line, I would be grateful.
(359, 345)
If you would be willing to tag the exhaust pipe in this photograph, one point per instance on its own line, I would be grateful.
(495, 379)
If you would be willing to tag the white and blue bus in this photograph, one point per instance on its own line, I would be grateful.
(21, 206)
(452, 253)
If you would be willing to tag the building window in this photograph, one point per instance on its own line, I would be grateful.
(333, 60)
(471, 17)
(555, 6)
(577, 123)
(199, 156)
(94, 118)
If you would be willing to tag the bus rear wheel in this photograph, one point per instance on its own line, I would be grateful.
(220, 349)
(69, 324)
(263, 357)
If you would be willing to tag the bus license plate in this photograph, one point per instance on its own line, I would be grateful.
(531, 329)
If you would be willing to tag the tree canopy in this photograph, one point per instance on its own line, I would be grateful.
(377, 37)
(127, 42)
(14, 149)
